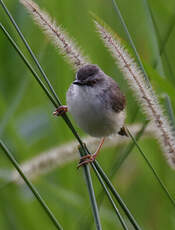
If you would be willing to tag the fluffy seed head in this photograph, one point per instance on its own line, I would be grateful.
(59, 37)
(144, 94)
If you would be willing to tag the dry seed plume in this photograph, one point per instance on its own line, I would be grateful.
(144, 94)
(59, 37)
(59, 156)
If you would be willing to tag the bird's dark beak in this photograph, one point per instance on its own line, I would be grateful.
(77, 82)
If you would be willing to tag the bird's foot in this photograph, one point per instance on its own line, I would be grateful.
(60, 110)
(123, 132)
(86, 160)
(90, 158)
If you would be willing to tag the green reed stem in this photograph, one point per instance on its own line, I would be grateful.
(110, 198)
(91, 192)
(117, 196)
(32, 188)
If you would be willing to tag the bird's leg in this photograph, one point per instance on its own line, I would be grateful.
(60, 110)
(90, 158)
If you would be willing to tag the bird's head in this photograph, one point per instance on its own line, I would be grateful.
(88, 75)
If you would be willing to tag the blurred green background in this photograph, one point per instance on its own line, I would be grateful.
(28, 127)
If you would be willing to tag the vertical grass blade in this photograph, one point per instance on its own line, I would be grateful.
(91, 192)
(131, 41)
(161, 47)
(161, 44)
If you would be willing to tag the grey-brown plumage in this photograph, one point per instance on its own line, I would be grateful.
(96, 102)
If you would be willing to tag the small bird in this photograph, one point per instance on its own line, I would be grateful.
(97, 105)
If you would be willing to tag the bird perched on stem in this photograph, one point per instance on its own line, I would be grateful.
(97, 105)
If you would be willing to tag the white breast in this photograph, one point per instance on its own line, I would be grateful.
(91, 114)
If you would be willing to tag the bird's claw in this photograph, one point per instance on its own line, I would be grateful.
(60, 110)
(86, 160)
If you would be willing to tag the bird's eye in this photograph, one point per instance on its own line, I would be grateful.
(91, 82)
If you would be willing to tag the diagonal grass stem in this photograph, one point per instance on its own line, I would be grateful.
(27, 64)
(30, 51)
(119, 161)
(39, 81)
(31, 187)
(110, 198)
(153, 170)
(117, 196)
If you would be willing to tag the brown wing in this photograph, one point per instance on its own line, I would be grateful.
(118, 100)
